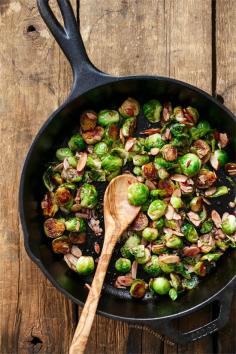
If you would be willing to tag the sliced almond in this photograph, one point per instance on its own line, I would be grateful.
(76, 251)
(210, 191)
(134, 269)
(216, 218)
(169, 258)
(130, 143)
(191, 251)
(194, 218)
(82, 161)
(223, 140)
(179, 178)
(170, 212)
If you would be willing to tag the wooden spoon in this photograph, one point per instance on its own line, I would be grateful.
(118, 215)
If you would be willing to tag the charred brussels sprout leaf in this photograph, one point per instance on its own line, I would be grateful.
(152, 110)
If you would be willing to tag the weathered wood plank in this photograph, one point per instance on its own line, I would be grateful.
(226, 87)
(171, 38)
(34, 79)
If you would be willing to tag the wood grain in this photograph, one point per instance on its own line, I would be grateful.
(226, 87)
(34, 80)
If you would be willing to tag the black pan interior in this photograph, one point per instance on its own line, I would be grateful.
(115, 302)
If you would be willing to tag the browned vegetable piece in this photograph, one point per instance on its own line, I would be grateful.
(149, 171)
(49, 205)
(129, 108)
(167, 185)
(63, 196)
(167, 110)
(77, 238)
(206, 178)
(202, 149)
(140, 222)
(151, 131)
(88, 120)
(169, 152)
(61, 245)
(92, 137)
(191, 251)
(123, 281)
(206, 243)
(223, 140)
(230, 168)
(54, 228)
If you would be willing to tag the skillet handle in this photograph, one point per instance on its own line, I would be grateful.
(85, 74)
(166, 327)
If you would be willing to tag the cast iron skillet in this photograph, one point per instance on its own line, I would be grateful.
(94, 89)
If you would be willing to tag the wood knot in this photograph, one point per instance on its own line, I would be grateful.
(32, 31)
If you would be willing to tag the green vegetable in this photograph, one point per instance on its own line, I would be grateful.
(196, 204)
(62, 153)
(76, 143)
(54, 228)
(222, 190)
(101, 149)
(145, 258)
(152, 110)
(154, 141)
(211, 257)
(229, 225)
(138, 193)
(107, 117)
(140, 160)
(129, 108)
(150, 234)
(88, 196)
(85, 265)
(190, 283)
(160, 285)
(123, 265)
(138, 288)
(219, 158)
(133, 241)
(75, 224)
(93, 162)
(137, 171)
(173, 242)
(128, 127)
(159, 163)
(190, 232)
(152, 267)
(173, 294)
(206, 227)
(190, 164)
(112, 163)
(176, 202)
(157, 209)
(200, 130)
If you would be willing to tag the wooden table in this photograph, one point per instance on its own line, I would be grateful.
(191, 40)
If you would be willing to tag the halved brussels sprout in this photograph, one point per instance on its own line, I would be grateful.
(200, 130)
(85, 265)
(61, 245)
(62, 153)
(159, 163)
(206, 178)
(137, 171)
(128, 127)
(190, 164)
(150, 234)
(129, 108)
(154, 141)
(169, 152)
(196, 204)
(76, 143)
(152, 110)
(157, 209)
(101, 149)
(51, 179)
(138, 288)
(176, 202)
(75, 224)
(111, 134)
(92, 137)
(206, 227)
(229, 225)
(149, 171)
(93, 162)
(138, 193)
(54, 227)
(193, 112)
(190, 232)
(160, 285)
(152, 267)
(219, 158)
(63, 196)
(112, 163)
(133, 241)
(71, 175)
(49, 205)
(108, 117)
(123, 265)
(173, 241)
(88, 120)
(200, 269)
(140, 160)
(88, 196)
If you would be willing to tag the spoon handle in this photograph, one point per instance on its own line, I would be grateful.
(89, 310)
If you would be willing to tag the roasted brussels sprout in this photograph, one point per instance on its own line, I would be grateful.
(85, 265)
(175, 281)
(71, 175)
(123, 265)
(76, 143)
(49, 205)
(206, 227)
(63, 196)
(152, 111)
(159, 163)
(93, 162)
(158, 247)
(62, 153)
(190, 283)
(169, 152)
(54, 227)
(193, 112)
(229, 225)
(150, 234)
(88, 196)
(92, 137)
(51, 179)
(157, 209)
(137, 171)
(128, 127)
(143, 258)
(190, 232)
(206, 178)
(218, 159)
(101, 149)
(152, 267)
(154, 141)
(160, 285)
(133, 241)
(140, 160)
(138, 288)
(138, 193)
(200, 130)
(112, 163)
(111, 134)
(173, 241)
(149, 171)
(196, 204)
(190, 164)
(61, 245)
(108, 117)
(88, 120)
(129, 108)
(159, 224)
(75, 224)
(176, 202)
